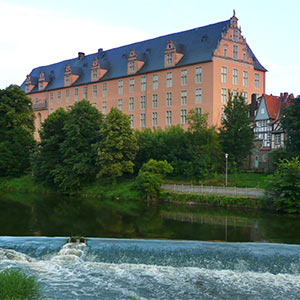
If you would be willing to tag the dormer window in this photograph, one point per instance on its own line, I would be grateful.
(28, 84)
(41, 85)
(131, 67)
(169, 59)
(70, 77)
(95, 74)
(134, 64)
(172, 56)
(67, 80)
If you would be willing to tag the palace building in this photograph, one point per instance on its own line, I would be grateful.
(155, 82)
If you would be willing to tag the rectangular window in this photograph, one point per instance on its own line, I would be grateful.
(143, 120)
(198, 75)
(131, 67)
(67, 79)
(76, 94)
(256, 80)
(120, 87)
(120, 104)
(183, 98)
(183, 116)
(245, 95)
(94, 104)
(245, 78)
(169, 79)
(168, 117)
(277, 139)
(131, 119)
(41, 85)
(143, 84)
(223, 74)
(67, 95)
(235, 52)
(85, 92)
(223, 96)
(199, 110)
(154, 119)
(154, 101)
(155, 82)
(95, 74)
(104, 89)
(131, 103)
(143, 102)
(131, 85)
(244, 55)
(198, 96)
(51, 99)
(184, 77)
(51, 110)
(225, 50)
(234, 93)
(169, 99)
(95, 91)
(58, 97)
(169, 59)
(235, 76)
(104, 107)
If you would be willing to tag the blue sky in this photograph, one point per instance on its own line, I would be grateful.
(36, 33)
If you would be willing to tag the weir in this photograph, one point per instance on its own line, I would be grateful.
(155, 269)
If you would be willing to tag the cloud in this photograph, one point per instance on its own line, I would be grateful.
(32, 37)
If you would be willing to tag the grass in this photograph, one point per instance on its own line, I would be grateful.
(251, 180)
(15, 285)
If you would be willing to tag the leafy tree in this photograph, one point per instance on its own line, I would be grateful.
(117, 147)
(236, 133)
(81, 130)
(48, 156)
(204, 143)
(16, 131)
(290, 121)
(150, 177)
(284, 186)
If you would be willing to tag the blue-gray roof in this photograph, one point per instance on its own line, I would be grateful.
(197, 45)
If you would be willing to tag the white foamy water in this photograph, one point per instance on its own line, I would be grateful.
(83, 272)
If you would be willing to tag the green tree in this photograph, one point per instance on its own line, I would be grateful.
(284, 186)
(48, 155)
(204, 144)
(236, 133)
(117, 147)
(290, 121)
(16, 131)
(81, 130)
(150, 177)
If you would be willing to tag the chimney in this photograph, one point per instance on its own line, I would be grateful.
(100, 52)
(80, 55)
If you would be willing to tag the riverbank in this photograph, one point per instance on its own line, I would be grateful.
(125, 190)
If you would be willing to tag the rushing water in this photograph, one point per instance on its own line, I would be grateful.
(144, 269)
(185, 266)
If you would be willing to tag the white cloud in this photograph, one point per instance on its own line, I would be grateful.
(33, 37)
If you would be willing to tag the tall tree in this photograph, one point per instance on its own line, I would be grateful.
(117, 147)
(236, 133)
(291, 125)
(81, 130)
(16, 131)
(48, 155)
(205, 146)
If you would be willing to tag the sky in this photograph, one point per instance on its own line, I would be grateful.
(35, 33)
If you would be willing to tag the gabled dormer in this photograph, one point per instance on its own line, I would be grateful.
(70, 75)
(134, 63)
(43, 81)
(29, 84)
(232, 44)
(172, 55)
(97, 71)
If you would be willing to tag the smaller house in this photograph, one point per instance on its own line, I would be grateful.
(268, 132)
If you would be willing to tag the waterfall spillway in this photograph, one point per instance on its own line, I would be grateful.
(128, 269)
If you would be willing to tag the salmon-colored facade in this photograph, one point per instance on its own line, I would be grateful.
(155, 96)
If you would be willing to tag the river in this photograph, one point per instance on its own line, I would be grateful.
(134, 251)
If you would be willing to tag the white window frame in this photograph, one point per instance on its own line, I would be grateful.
(104, 107)
(223, 95)
(143, 120)
(235, 76)
(104, 89)
(154, 119)
(51, 99)
(143, 83)
(169, 99)
(67, 95)
(85, 92)
(198, 74)
(59, 97)
(183, 116)
(76, 91)
(183, 97)
(169, 79)
(131, 104)
(256, 80)
(131, 85)
(143, 102)
(198, 96)
(95, 91)
(245, 78)
(168, 117)
(120, 104)
(155, 82)
(223, 74)
(120, 87)
(154, 100)
(235, 51)
(131, 119)
(183, 77)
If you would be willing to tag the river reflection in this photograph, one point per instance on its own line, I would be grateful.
(40, 215)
